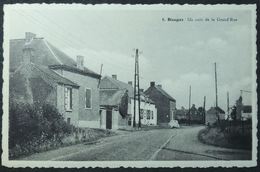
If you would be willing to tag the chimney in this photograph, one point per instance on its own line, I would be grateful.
(130, 83)
(114, 76)
(80, 62)
(27, 54)
(159, 85)
(152, 84)
(29, 36)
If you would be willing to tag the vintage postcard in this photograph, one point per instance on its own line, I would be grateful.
(129, 85)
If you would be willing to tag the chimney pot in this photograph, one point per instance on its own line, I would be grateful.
(152, 84)
(29, 36)
(114, 76)
(80, 62)
(130, 82)
(159, 85)
(141, 90)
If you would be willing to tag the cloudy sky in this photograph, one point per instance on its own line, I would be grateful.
(174, 54)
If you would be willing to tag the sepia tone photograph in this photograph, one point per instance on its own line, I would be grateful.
(129, 85)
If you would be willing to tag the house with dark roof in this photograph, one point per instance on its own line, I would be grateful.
(41, 53)
(148, 112)
(165, 103)
(213, 114)
(31, 83)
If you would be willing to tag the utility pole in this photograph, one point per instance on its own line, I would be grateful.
(216, 86)
(136, 90)
(189, 104)
(100, 75)
(204, 110)
(228, 103)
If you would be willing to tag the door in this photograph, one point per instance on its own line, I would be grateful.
(108, 119)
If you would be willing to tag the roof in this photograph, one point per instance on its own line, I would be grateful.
(158, 88)
(108, 82)
(164, 93)
(213, 110)
(49, 76)
(111, 97)
(44, 53)
(86, 71)
(247, 109)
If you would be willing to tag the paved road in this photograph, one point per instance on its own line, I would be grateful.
(160, 144)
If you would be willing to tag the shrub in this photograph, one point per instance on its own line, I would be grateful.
(32, 125)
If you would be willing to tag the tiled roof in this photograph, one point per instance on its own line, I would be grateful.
(44, 53)
(164, 93)
(247, 109)
(110, 83)
(76, 70)
(213, 110)
(111, 97)
(49, 76)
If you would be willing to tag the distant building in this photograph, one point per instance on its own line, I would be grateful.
(195, 115)
(78, 102)
(181, 115)
(243, 112)
(165, 103)
(148, 111)
(211, 115)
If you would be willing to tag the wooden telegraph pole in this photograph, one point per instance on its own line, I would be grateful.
(228, 103)
(216, 86)
(136, 90)
(189, 105)
(204, 110)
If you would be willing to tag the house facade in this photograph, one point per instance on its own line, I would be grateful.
(32, 83)
(211, 115)
(113, 109)
(165, 104)
(148, 111)
(81, 103)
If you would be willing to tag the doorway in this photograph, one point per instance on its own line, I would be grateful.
(108, 119)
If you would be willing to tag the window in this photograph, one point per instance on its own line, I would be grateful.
(151, 114)
(148, 114)
(141, 113)
(68, 121)
(68, 98)
(88, 98)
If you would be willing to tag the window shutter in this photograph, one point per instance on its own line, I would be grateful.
(65, 98)
(70, 98)
(88, 98)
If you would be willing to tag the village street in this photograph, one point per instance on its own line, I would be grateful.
(160, 144)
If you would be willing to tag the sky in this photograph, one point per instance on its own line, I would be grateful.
(174, 54)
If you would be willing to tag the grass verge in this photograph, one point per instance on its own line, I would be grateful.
(233, 138)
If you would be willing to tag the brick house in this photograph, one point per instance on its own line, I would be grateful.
(165, 104)
(148, 110)
(83, 101)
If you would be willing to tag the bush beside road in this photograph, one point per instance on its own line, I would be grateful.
(233, 136)
(38, 128)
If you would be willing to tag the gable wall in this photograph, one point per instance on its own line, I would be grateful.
(162, 104)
